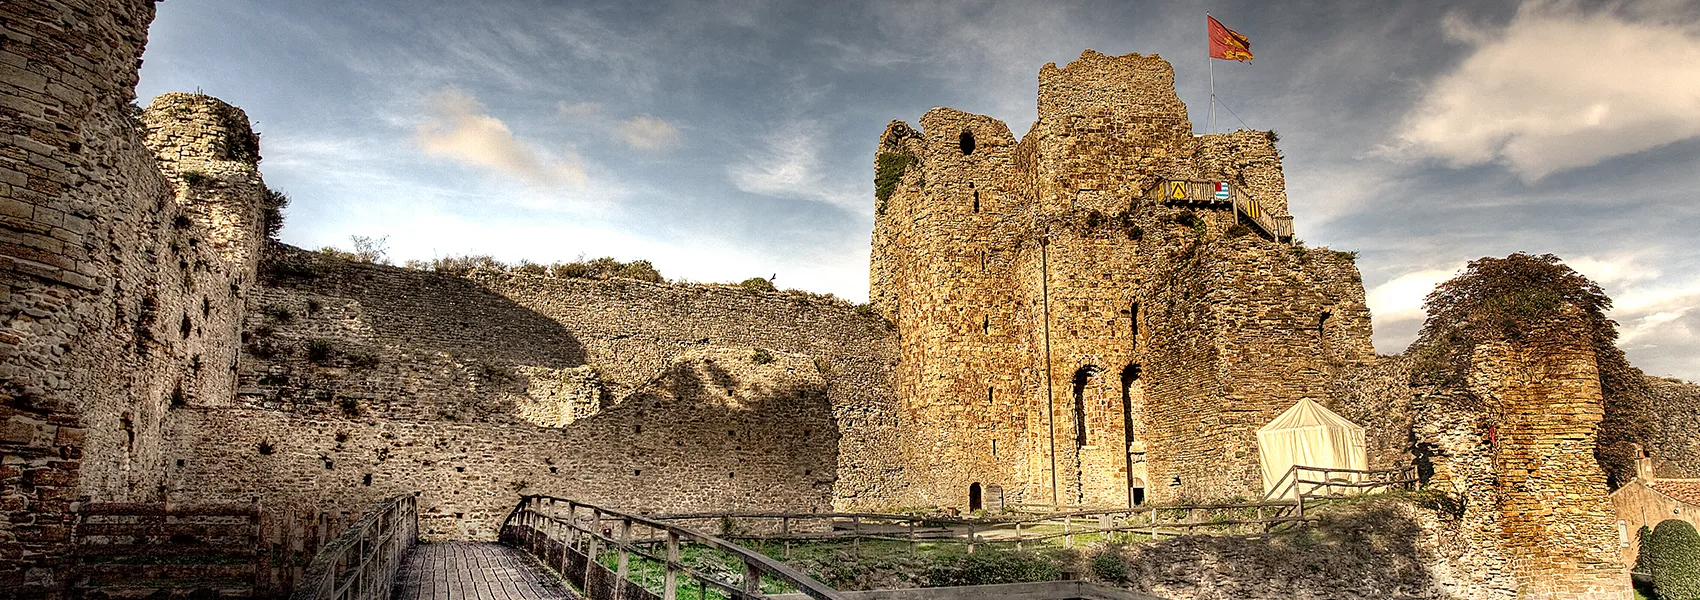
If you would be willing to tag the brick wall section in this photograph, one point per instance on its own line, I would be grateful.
(362, 381)
(1012, 270)
(120, 293)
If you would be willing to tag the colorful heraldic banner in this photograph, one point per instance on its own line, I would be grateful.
(1227, 44)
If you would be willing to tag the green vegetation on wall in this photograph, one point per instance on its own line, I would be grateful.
(1533, 299)
(888, 170)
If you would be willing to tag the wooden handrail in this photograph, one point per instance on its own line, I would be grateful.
(536, 522)
(361, 563)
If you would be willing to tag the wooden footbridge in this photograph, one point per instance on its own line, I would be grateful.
(551, 548)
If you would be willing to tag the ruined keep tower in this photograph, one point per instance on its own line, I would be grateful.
(1082, 317)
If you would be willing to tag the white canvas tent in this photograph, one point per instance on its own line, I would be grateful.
(1309, 435)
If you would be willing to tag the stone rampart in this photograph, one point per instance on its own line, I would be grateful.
(359, 381)
(121, 293)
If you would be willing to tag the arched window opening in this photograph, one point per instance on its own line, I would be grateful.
(967, 142)
(975, 501)
(1322, 322)
(1081, 378)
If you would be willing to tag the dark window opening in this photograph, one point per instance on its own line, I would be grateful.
(1133, 320)
(986, 326)
(1136, 491)
(636, 472)
(967, 142)
(982, 260)
(975, 501)
(638, 428)
(367, 480)
(994, 448)
(1081, 378)
(988, 394)
(976, 200)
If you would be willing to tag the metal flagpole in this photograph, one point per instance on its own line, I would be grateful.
(1212, 61)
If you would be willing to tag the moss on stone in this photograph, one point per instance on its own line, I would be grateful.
(888, 170)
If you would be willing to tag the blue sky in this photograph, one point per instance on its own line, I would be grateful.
(726, 140)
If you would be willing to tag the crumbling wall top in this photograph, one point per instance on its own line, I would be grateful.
(1130, 85)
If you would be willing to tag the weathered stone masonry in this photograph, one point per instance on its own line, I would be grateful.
(1070, 339)
(473, 390)
(122, 283)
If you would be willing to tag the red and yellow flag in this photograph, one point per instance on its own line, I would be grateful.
(1227, 44)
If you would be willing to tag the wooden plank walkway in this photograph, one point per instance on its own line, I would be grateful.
(475, 571)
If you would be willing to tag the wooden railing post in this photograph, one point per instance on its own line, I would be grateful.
(970, 537)
(1068, 536)
(785, 530)
(595, 543)
(670, 589)
(856, 533)
(752, 579)
(625, 541)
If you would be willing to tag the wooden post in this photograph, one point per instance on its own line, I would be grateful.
(785, 530)
(590, 552)
(625, 556)
(1153, 523)
(1019, 545)
(970, 537)
(1068, 537)
(670, 588)
(856, 539)
(752, 578)
(912, 523)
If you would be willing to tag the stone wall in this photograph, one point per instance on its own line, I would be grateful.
(1068, 338)
(123, 284)
(359, 381)
(1516, 448)
(1675, 406)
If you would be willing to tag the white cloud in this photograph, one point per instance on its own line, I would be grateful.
(645, 132)
(1559, 88)
(1402, 297)
(460, 130)
(789, 166)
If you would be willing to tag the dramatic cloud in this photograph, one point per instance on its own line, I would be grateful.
(459, 130)
(1558, 89)
(645, 132)
(789, 166)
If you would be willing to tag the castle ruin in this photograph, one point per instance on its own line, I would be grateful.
(1066, 335)
(1100, 313)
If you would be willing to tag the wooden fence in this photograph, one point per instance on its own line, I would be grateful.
(361, 562)
(575, 538)
(854, 528)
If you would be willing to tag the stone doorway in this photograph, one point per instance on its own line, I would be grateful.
(975, 502)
